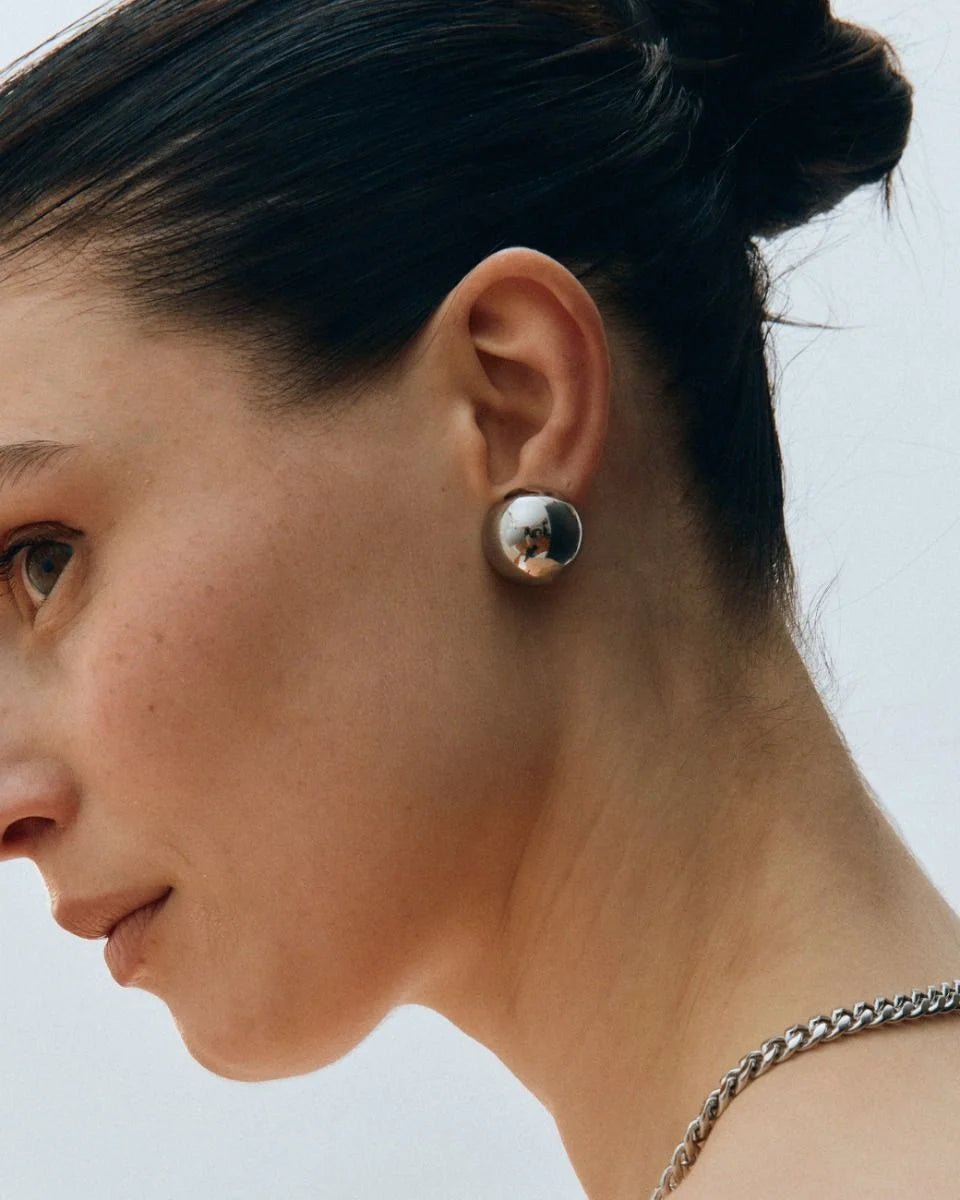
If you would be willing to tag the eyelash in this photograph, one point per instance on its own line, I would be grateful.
(42, 536)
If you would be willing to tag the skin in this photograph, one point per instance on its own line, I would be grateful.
(583, 822)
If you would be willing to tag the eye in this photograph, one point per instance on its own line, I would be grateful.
(43, 561)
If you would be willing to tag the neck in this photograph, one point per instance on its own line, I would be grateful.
(699, 874)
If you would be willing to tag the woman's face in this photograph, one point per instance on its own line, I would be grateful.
(263, 679)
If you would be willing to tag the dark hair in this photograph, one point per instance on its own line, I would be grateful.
(317, 175)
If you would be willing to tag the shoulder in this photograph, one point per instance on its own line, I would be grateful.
(861, 1117)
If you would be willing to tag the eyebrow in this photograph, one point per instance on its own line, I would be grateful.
(29, 458)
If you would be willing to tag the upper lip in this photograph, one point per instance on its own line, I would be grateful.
(99, 916)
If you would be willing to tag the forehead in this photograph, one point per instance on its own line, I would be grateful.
(77, 366)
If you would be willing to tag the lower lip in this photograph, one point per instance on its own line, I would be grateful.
(124, 950)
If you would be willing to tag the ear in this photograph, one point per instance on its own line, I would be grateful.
(521, 345)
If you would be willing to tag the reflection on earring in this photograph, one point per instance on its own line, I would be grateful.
(530, 536)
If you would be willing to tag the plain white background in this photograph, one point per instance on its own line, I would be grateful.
(99, 1100)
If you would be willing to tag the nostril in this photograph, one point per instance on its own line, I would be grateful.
(27, 828)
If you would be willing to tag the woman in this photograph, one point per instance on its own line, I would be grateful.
(399, 607)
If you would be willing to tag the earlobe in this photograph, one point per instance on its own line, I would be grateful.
(531, 537)
(543, 406)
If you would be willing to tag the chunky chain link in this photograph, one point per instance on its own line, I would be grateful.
(796, 1039)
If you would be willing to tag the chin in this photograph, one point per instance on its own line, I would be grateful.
(240, 1071)
(255, 1052)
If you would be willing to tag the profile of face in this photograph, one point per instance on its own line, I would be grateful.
(257, 660)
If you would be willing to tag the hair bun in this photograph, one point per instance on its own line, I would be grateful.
(805, 108)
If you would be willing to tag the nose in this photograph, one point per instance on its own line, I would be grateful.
(35, 799)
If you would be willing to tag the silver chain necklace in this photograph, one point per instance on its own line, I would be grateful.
(797, 1038)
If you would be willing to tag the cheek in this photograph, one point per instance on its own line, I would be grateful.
(286, 758)
(162, 685)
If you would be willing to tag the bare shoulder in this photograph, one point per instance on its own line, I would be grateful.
(864, 1117)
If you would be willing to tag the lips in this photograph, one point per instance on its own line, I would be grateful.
(124, 952)
(99, 916)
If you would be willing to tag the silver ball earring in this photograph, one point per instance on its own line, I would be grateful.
(531, 536)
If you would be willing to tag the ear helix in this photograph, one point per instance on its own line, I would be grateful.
(531, 536)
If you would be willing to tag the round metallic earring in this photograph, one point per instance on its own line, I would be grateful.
(531, 535)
